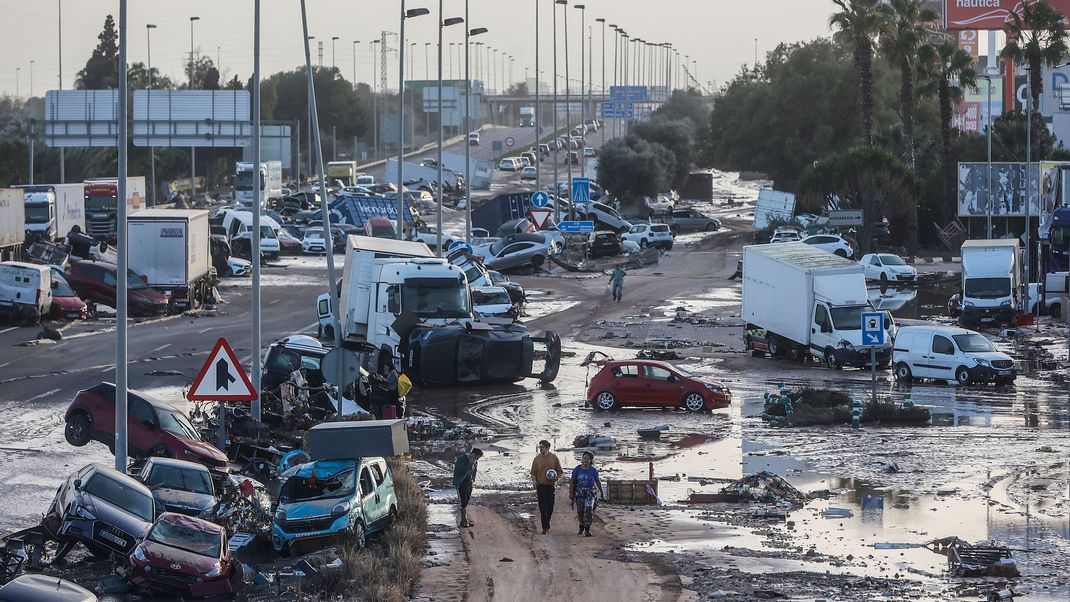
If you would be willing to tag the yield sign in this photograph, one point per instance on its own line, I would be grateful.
(540, 217)
(221, 378)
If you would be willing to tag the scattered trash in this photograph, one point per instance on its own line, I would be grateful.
(652, 432)
(770, 513)
(966, 560)
(838, 513)
(658, 354)
(593, 441)
(760, 487)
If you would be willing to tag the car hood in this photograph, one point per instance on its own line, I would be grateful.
(497, 308)
(311, 508)
(165, 556)
(154, 296)
(990, 356)
(115, 516)
(710, 381)
(178, 500)
(206, 450)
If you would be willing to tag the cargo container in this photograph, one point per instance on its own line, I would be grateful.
(12, 224)
(169, 248)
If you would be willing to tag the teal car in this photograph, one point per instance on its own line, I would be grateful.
(326, 501)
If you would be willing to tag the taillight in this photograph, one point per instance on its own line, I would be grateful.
(38, 301)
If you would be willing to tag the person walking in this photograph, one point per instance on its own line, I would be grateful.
(545, 472)
(584, 491)
(464, 475)
(616, 281)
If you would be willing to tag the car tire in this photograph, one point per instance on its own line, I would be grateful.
(328, 333)
(775, 350)
(79, 429)
(962, 375)
(1056, 311)
(693, 402)
(642, 244)
(831, 360)
(359, 535)
(668, 247)
(538, 260)
(605, 401)
(710, 227)
(392, 517)
(841, 253)
(884, 278)
(903, 372)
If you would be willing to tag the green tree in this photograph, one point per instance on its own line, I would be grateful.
(340, 106)
(633, 168)
(687, 104)
(139, 78)
(674, 135)
(205, 74)
(858, 23)
(1036, 36)
(901, 41)
(947, 70)
(871, 179)
(518, 89)
(101, 71)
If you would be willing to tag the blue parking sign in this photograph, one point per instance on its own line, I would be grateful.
(873, 329)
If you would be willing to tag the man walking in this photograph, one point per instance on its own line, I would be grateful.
(545, 472)
(464, 475)
(616, 280)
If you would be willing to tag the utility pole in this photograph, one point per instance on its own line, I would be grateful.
(152, 150)
(254, 245)
(333, 63)
(192, 149)
(122, 263)
(59, 54)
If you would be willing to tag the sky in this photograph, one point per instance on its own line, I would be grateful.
(718, 34)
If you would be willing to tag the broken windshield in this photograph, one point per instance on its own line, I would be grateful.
(318, 486)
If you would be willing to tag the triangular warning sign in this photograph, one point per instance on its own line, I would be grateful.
(540, 216)
(221, 378)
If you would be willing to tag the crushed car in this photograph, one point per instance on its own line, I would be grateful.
(179, 486)
(186, 556)
(44, 588)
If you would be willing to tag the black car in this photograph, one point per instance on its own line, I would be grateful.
(603, 244)
(179, 486)
(516, 292)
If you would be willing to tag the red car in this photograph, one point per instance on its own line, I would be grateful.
(154, 428)
(652, 383)
(66, 304)
(95, 282)
(187, 556)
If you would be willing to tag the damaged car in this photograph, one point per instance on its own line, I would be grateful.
(483, 354)
(179, 486)
(102, 508)
(185, 556)
(324, 501)
(650, 383)
(493, 305)
(31, 587)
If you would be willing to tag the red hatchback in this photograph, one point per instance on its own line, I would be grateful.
(650, 383)
(94, 281)
(187, 556)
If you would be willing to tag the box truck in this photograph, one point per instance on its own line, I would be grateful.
(801, 301)
(12, 224)
(25, 291)
(343, 171)
(527, 117)
(991, 280)
(102, 207)
(169, 248)
(270, 182)
(53, 209)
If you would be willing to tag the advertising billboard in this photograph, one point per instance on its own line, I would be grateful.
(1008, 190)
(989, 14)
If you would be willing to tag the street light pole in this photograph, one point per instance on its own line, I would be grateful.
(603, 127)
(538, 107)
(568, 119)
(557, 139)
(442, 24)
(334, 64)
(1028, 185)
(192, 149)
(375, 102)
(355, 42)
(122, 262)
(152, 150)
(988, 178)
(255, 407)
(583, 26)
(405, 14)
(31, 78)
(468, 33)
(59, 54)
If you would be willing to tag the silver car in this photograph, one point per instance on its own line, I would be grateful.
(689, 219)
(521, 251)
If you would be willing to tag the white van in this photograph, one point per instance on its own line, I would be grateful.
(239, 224)
(25, 291)
(949, 353)
(365, 180)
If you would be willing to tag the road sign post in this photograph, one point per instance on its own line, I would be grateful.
(873, 337)
(575, 227)
(460, 244)
(222, 379)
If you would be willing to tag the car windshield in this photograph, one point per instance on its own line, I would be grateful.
(436, 298)
(120, 495)
(134, 282)
(267, 232)
(490, 297)
(987, 288)
(683, 372)
(177, 424)
(892, 260)
(319, 486)
(176, 535)
(37, 214)
(637, 230)
(383, 231)
(314, 233)
(659, 228)
(61, 289)
(497, 247)
(848, 318)
(173, 477)
(973, 343)
(474, 273)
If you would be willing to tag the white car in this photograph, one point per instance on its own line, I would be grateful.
(660, 204)
(951, 354)
(529, 173)
(588, 152)
(785, 235)
(510, 164)
(473, 139)
(888, 268)
(650, 235)
(830, 243)
(493, 305)
(314, 242)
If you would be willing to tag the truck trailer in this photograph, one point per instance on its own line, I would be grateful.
(102, 206)
(12, 224)
(800, 301)
(169, 248)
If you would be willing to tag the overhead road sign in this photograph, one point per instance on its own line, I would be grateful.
(184, 118)
(618, 110)
(222, 378)
(81, 118)
(848, 217)
(575, 227)
(581, 191)
(873, 329)
(540, 216)
(628, 93)
(540, 199)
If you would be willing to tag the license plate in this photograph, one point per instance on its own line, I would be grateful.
(987, 319)
(1004, 372)
(115, 539)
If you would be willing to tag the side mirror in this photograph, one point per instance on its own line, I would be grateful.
(672, 378)
(78, 484)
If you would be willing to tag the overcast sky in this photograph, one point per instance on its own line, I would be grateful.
(719, 34)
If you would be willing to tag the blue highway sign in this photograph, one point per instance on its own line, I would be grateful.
(581, 191)
(460, 244)
(575, 227)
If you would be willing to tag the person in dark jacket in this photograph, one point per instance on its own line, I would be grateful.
(464, 476)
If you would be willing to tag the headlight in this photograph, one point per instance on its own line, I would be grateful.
(714, 388)
(280, 515)
(81, 512)
(1006, 303)
(981, 362)
(847, 345)
(139, 554)
(968, 304)
(215, 571)
(340, 509)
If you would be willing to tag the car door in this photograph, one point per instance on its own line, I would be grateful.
(821, 330)
(108, 287)
(142, 426)
(370, 500)
(872, 266)
(383, 488)
(516, 254)
(662, 387)
(627, 384)
(942, 358)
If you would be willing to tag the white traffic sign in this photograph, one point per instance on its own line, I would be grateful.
(540, 216)
(222, 378)
(873, 329)
(509, 141)
(581, 191)
(540, 199)
(460, 244)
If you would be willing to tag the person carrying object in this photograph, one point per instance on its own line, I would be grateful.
(545, 473)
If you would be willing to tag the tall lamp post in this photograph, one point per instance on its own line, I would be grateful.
(355, 42)
(538, 108)
(568, 116)
(442, 24)
(557, 139)
(405, 14)
(583, 108)
(152, 150)
(59, 56)
(603, 126)
(375, 100)
(122, 262)
(468, 126)
(192, 149)
(334, 63)
(988, 169)
(254, 243)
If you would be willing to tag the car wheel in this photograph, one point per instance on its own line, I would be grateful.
(538, 260)
(392, 517)
(711, 226)
(831, 360)
(962, 375)
(1056, 311)
(775, 350)
(605, 401)
(328, 333)
(841, 253)
(642, 244)
(78, 429)
(903, 373)
(693, 402)
(884, 278)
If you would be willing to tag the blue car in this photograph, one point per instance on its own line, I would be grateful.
(326, 501)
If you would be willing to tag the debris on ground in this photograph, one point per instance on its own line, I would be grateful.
(593, 441)
(759, 487)
(658, 354)
(811, 407)
(968, 560)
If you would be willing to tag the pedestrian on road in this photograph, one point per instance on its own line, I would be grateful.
(616, 281)
(464, 474)
(545, 472)
(584, 492)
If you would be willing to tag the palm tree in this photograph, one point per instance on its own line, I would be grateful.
(1036, 36)
(901, 41)
(858, 23)
(948, 70)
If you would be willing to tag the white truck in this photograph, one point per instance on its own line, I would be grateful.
(102, 206)
(53, 209)
(527, 117)
(991, 280)
(25, 291)
(12, 224)
(399, 299)
(270, 182)
(342, 171)
(239, 227)
(801, 301)
(169, 248)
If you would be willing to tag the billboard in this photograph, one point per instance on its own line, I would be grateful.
(1008, 190)
(206, 118)
(80, 118)
(989, 14)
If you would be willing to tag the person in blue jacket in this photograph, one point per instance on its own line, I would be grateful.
(584, 492)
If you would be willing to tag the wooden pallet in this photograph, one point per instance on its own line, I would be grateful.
(631, 492)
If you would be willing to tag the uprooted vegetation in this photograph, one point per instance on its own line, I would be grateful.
(814, 407)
